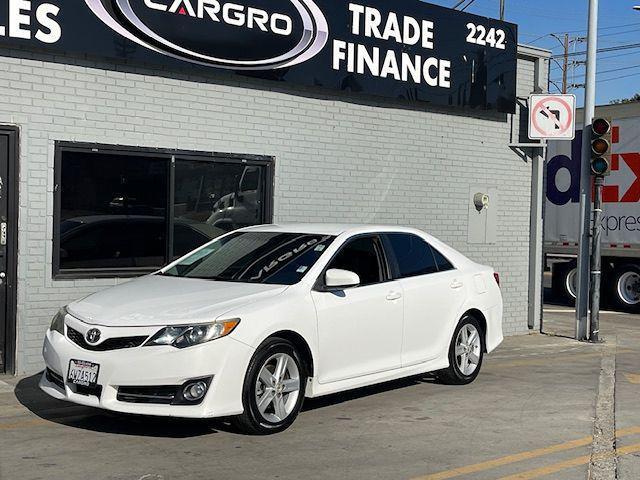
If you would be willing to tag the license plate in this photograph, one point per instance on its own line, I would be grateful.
(83, 373)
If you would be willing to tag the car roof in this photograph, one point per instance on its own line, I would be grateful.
(336, 229)
(330, 228)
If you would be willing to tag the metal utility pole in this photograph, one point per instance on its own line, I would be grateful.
(582, 302)
(502, 9)
(565, 68)
(596, 262)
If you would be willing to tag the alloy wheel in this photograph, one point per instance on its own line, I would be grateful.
(277, 388)
(468, 345)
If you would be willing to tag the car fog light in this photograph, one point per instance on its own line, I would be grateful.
(194, 391)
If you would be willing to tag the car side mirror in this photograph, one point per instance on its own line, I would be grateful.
(336, 278)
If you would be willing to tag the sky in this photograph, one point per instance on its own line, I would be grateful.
(619, 25)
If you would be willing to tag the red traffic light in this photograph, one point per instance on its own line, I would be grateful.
(601, 126)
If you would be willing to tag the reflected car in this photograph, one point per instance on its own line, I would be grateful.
(252, 323)
(242, 207)
(127, 241)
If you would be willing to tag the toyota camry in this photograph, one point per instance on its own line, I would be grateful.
(253, 322)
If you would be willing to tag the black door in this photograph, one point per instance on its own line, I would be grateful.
(8, 237)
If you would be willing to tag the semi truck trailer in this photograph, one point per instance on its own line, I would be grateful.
(621, 213)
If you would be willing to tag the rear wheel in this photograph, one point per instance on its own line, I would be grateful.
(626, 288)
(466, 353)
(273, 389)
(565, 281)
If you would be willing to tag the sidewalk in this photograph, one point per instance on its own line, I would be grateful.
(622, 338)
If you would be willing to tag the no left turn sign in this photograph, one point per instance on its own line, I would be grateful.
(552, 117)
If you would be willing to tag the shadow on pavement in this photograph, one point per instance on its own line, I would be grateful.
(338, 398)
(35, 400)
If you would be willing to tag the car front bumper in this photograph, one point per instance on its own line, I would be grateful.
(225, 360)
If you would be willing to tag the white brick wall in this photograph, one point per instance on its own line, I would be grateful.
(338, 158)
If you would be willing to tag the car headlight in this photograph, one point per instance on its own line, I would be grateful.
(190, 335)
(57, 324)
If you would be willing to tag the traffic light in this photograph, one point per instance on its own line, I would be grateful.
(601, 147)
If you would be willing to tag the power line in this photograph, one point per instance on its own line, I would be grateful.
(602, 50)
(467, 5)
(461, 2)
(612, 70)
(607, 57)
(617, 78)
(619, 69)
(580, 31)
(635, 30)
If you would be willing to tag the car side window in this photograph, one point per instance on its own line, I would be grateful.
(360, 256)
(413, 255)
(444, 265)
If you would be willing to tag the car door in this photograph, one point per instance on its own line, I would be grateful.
(359, 328)
(434, 292)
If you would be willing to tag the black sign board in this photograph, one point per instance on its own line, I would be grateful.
(403, 49)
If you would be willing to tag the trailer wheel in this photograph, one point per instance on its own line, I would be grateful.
(565, 281)
(626, 288)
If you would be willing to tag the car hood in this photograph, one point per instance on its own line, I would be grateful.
(157, 300)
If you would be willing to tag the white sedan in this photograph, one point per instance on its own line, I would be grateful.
(253, 322)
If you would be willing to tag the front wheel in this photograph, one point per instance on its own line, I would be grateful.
(466, 353)
(274, 389)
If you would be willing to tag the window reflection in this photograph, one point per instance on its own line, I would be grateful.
(114, 206)
(212, 199)
(113, 211)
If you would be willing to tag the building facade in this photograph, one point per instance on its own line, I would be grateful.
(119, 168)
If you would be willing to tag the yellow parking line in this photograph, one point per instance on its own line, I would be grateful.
(518, 457)
(574, 462)
(633, 378)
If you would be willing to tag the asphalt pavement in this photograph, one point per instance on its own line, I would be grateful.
(531, 414)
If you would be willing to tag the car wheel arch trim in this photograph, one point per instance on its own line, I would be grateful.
(306, 352)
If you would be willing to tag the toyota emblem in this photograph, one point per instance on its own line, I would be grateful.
(93, 336)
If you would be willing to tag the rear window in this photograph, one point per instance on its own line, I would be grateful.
(413, 255)
(443, 264)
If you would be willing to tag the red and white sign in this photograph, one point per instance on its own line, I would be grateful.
(552, 117)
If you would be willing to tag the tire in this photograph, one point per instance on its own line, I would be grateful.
(457, 373)
(564, 281)
(626, 288)
(280, 407)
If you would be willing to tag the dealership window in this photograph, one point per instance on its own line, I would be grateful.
(126, 211)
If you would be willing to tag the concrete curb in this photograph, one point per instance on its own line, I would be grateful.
(604, 462)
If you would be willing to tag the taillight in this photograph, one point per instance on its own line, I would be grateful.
(497, 277)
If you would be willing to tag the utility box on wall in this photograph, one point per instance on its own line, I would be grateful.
(483, 214)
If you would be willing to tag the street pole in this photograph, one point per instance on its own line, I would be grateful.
(596, 261)
(582, 302)
(565, 67)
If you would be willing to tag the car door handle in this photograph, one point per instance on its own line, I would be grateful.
(394, 296)
(455, 285)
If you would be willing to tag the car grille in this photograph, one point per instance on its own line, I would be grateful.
(109, 344)
(54, 378)
(164, 395)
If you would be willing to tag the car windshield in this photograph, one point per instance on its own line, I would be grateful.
(254, 257)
